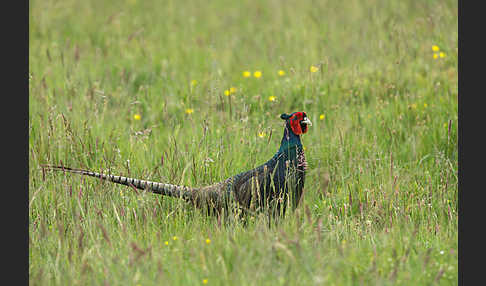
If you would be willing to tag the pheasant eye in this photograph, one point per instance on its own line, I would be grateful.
(303, 126)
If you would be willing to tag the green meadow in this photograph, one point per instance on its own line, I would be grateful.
(190, 93)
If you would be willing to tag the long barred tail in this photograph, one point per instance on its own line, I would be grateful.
(154, 187)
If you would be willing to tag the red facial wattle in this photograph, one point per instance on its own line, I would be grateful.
(295, 121)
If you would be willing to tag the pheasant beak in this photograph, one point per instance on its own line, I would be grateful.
(307, 121)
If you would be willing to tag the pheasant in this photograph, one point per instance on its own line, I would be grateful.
(274, 185)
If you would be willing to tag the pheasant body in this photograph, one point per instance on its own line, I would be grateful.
(270, 185)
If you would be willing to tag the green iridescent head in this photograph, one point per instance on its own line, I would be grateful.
(298, 122)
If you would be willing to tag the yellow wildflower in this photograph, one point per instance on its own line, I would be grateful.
(166, 243)
(322, 116)
(227, 92)
(436, 56)
(305, 148)
(442, 55)
(425, 105)
(435, 48)
(205, 281)
(137, 116)
(261, 134)
(193, 82)
(232, 90)
(189, 110)
(174, 237)
(281, 73)
(313, 69)
(208, 241)
(246, 74)
(257, 74)
(272, 98)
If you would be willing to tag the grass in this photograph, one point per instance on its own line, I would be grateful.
(380, 203)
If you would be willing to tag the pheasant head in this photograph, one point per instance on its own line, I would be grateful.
(297, 121)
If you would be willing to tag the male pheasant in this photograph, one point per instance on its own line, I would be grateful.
(271, 185)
